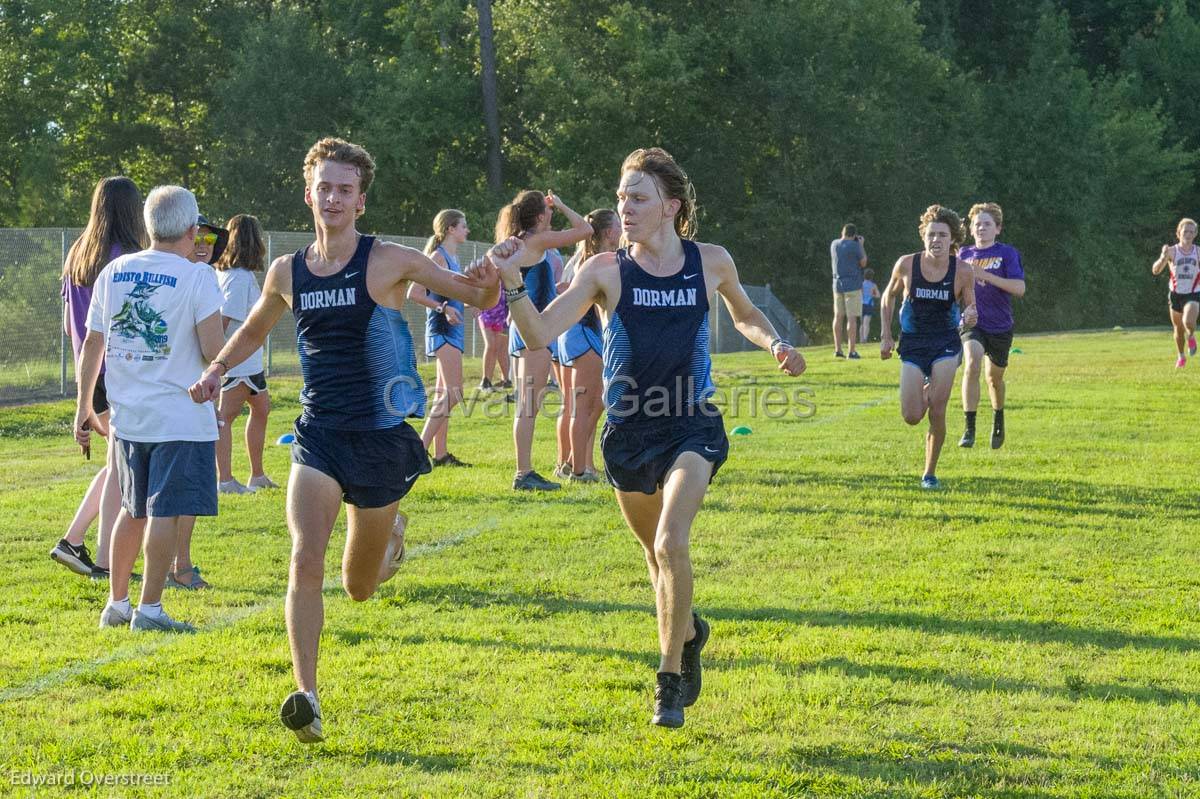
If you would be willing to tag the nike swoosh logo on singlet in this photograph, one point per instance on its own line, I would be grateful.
(412, 477)
(352, 274)
(689, 277)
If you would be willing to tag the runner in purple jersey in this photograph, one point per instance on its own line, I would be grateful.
(998, 277)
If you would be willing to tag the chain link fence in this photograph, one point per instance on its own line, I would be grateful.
(36, 361)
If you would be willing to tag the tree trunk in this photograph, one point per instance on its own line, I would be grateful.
(491, 113)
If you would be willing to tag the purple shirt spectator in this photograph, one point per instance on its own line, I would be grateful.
(994, 305)
(78, 298)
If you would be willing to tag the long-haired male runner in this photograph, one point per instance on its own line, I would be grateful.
(663, 441)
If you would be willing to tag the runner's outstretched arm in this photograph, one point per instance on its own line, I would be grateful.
(539, 329)
(250, 336)
(749, 320)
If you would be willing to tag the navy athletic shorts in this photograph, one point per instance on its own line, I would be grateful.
(923, 352)
(638, 455)
(167, 478)
(374, 467)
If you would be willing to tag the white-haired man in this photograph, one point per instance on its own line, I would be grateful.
(155, 319)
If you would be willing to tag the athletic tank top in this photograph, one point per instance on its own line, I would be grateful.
(539, 283)
(656, 361)
(1185, 273)
(929, 308)
(436, 324)
(357, 358)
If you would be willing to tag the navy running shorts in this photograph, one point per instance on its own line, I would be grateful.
(638, 455)
(923, 352)
(373, 467)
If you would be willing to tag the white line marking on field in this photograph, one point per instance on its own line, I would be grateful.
(862, 406)
(155, 643)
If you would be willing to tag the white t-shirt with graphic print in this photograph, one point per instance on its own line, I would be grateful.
(147, 305)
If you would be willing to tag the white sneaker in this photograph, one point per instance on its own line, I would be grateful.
(301, 713)
(233, 487)
(115, 617)
(144, 622)
(394, 555)
(262, 481)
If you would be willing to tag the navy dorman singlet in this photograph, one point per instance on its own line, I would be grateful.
(356, 356)
(656, 359)
(929, 307)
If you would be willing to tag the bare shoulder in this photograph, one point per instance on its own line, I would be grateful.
(601, 270)
(714, 255)
(395, 257)
(279, 276)
(600, 263)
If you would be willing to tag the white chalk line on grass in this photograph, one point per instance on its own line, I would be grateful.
(156, 642)
(862, 406)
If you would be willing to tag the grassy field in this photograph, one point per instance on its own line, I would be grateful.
(1030, 630)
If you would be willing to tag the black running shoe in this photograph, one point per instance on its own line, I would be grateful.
(99, 573)
(485, 385)
(998, 436)
(968, 438)
(668, 700)
(532, 481)
(75, 558)
(506, 384)
(448, 460)
(301, 713)
(690, 670)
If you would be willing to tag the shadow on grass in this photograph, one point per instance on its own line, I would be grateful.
(1001, 494)
(982, 684)
(1073, 688)
(429, 763)
(998, 629)
(988, 769)
(907, 771)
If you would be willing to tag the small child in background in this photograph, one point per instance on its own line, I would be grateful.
(870, 294)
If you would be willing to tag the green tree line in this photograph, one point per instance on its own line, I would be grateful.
(792, 117)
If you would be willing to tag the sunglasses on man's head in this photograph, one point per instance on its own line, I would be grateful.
(206, 238)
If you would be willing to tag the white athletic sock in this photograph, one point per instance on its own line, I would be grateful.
(121, 605)
(153, 610)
